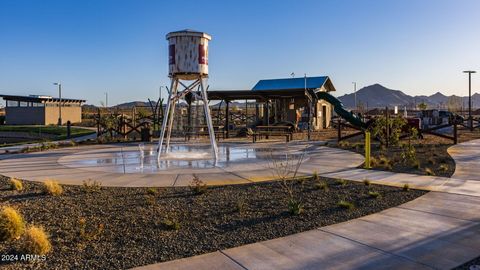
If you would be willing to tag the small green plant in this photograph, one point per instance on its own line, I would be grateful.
(366, 182)
(89, 233)
(315, 176)
(406, 187)
(35, 241)
(429, 171)
(374, 194)
(52, 187)
(91, 186)
(16, 184)
(241, 206)
(152, 191)
(322, 185)
(443, 167)
(345, 205)
(150, 200)
(171, 223)
(295, 207)
(12, 224)
(341, 182)
(197, 186)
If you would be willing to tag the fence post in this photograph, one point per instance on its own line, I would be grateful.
(387, 127)
(455, 138)
(367, 150)
(339, 133)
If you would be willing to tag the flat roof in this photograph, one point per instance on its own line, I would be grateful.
(40, 99)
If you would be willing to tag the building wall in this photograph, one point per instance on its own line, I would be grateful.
(25, 115)
(72, 114)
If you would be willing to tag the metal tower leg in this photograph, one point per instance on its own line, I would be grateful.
(165, 120)
(171, 116)
(208, 117)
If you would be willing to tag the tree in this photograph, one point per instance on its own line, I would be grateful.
(422, 106)
(454, 104)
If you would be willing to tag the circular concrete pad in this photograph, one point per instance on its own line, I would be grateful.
(136, 165)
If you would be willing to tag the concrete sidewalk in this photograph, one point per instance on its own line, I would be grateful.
(439, 230)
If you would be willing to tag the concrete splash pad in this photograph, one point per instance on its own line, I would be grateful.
(131, 165)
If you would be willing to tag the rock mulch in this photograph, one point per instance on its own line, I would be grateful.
(118, 228)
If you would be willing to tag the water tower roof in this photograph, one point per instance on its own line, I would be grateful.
(189, 32)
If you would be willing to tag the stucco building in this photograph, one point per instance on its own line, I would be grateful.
(41, 110)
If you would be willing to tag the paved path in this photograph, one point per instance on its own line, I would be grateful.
(439, 230)
(118, 165)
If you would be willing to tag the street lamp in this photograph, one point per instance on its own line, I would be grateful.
(470, 119)
(60, 102)
(355, 93)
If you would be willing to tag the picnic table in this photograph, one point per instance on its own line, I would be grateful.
(267, 131)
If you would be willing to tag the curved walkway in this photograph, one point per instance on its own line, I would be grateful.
(439, 230)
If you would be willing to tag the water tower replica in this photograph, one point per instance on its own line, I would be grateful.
(188, 70)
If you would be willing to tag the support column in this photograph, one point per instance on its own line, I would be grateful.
(171, 115)
(208, 118)
(165, 119)
(227, 118)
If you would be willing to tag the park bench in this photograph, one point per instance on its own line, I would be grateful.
(198, 131)
(267, 131)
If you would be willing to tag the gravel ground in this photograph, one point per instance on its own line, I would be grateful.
(431, 155)
(474, 264)
(125, 227)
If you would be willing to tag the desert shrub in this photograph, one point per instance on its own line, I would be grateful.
(295, 207)
(197, 186)
(52, 187)
(240, 206)
(16, 184)
(366, 182)
(394, 124)
(341, 182)
(90, 186)
(409, 154)
(35, 241)
(315, 176)
(406, 187)
(171, 223)
(152, 191)
(431, 161)
(89, 232)
(374, 194)
(344, 144)
(429, 171)
(322, 185)
(12, 224)
(285, 169)
(345, 205)
(443, 167)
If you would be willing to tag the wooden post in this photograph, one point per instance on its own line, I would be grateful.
(455, 138)
(98, 121)
(227, 118)
(189, 117)
(246, 113)
(268, 115)
(339, 128)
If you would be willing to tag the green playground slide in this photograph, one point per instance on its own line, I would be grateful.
(338, 107)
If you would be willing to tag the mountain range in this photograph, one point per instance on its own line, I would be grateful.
(372, 96)
(378, 96)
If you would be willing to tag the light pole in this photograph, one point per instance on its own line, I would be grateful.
(355, 93)
(60, 102)
(106, 99)
(470, 119)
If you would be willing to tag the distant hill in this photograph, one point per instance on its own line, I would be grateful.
(378, 96)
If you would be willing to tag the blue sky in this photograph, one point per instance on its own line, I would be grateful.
(94, 46)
